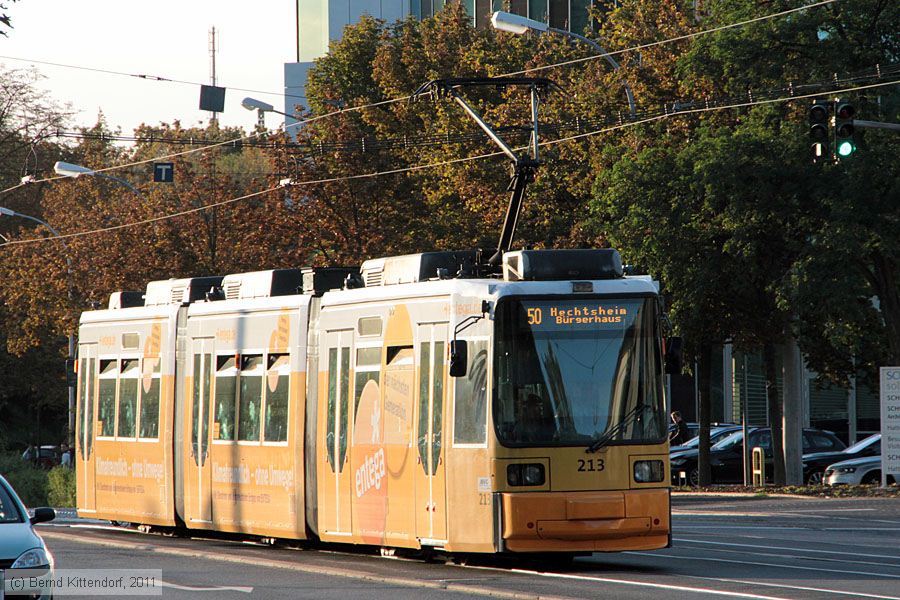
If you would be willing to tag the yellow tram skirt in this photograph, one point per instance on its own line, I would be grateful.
(586, 521)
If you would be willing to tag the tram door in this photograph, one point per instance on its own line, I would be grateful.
(336, 486)
(84, 455)
(199, 467)
(431, 505)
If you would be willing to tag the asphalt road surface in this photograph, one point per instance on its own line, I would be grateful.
(725, 547)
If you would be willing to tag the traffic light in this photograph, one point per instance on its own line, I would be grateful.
(818, 127)
(844, 131)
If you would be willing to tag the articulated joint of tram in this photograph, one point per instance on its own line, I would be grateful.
(605, 521)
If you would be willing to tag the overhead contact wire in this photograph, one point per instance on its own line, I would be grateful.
(443, 163)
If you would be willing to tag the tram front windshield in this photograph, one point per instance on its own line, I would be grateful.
(572, 372)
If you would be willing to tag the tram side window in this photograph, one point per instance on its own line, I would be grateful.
(226, 381)
(332, 402)
(368, 367)
(86, 405)
(338, 402)
(277, 386)
(470, 410)
(109, 370)
(250, 398)
(345, 403)
(150, 399)
(128, 389)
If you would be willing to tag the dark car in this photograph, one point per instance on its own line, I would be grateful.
(815, 463)
(716, 433)
(726, 457)
(47, 457)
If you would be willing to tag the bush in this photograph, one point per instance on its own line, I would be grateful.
(61, 487)
(29, 481)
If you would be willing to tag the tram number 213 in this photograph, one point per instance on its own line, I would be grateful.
(590, 464)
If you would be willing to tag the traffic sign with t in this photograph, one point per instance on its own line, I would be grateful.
(163, 172)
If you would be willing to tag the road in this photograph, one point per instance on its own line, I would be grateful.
(725, 547)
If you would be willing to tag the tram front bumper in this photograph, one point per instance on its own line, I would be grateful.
(585, 521)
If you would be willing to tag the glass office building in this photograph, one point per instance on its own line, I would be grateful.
(319, 22)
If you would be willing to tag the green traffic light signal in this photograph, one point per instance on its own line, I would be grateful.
(844, 130)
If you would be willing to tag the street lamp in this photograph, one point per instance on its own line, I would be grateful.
(517, 24)
(261, 109)
(71, 170)
(7, 212)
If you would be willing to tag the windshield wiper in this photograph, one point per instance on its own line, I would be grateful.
(630, 417)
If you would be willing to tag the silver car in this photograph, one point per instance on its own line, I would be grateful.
(20, 546)
(857, 471)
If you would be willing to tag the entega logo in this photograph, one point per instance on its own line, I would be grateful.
(370, 473)
(368, 459)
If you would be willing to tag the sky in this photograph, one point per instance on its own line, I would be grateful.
(163, 38)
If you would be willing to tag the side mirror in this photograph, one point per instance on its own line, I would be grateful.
(674, 355)
(42, 515)
(459, 358)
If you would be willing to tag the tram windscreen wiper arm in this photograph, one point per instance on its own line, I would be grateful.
(630, 417)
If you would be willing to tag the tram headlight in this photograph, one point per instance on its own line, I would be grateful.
(525, 474)
(648, 471)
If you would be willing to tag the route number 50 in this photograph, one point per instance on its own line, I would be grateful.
(534, 316)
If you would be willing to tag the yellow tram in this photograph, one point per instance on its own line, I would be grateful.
(413, 403)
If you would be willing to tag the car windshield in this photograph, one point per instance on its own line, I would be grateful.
(715, 436)
(865, 443)
(9, 510)
(572, 372)
(735, 439)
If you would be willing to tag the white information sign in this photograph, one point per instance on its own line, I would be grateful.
(890, 422)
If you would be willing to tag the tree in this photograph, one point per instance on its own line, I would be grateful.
(5, 19)
(779, 226)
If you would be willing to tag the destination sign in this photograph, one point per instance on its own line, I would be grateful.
(549, 315)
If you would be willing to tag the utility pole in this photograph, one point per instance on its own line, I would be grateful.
(793, 412)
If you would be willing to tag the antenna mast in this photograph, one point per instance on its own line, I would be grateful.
(213, 116)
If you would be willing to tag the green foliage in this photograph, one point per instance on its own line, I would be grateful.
(29, 481)
(751, 239)
(61, 487)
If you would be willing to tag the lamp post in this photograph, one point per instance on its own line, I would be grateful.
(71, 170)
(70, 423)
(261, 109)
(518, 24)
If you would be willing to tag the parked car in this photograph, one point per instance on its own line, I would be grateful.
(858, 471)
(716, 433)
(48, 456)
(814, 464)
(726, 457)
(20, 546)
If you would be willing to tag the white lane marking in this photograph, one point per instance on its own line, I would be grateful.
(798, 587)
(844, 561)
(793, 513)
(103, 528)
(810, 550)
(786, 528)
(224, 588)
(818, 510)
(662, 586)
(689, 513)
(774, 565)
(860, 529)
